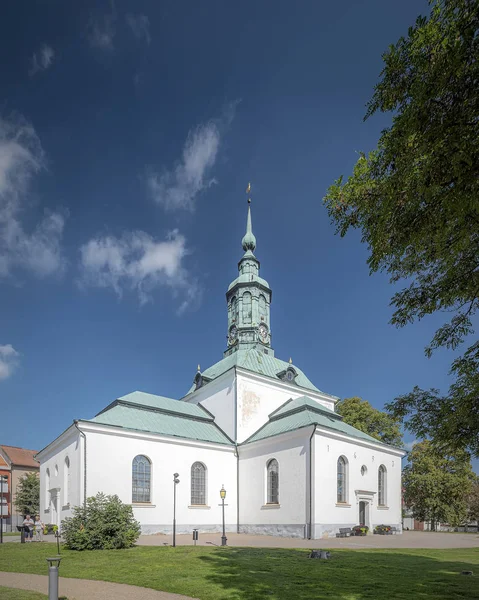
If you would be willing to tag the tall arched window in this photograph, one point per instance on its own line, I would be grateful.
(141, 480)
(262, 308)
(246, 308)
(47, 489)
(272, 481)
(382, 485)
(66, 481)
(198, 483)
(342, 479)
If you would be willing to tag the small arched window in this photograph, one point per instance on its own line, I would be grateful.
(272, 469)
(247, 308)
(198, 483)
(66, 482)
(382, 485)
(342, 480)
(141, 479)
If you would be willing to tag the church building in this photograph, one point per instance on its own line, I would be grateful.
(252, 423)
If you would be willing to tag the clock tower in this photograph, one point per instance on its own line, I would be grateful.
(248, 299)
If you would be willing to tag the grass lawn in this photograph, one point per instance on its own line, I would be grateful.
(258, 573)
(13, 594)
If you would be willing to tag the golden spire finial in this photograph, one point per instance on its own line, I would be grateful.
(199, 369)
(248, 192)
(290, 360)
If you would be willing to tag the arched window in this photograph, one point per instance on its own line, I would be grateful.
(198, 483)
(262, 308)
(141, 480)
(273, 481)
(382, 485)
(66, 482)
(342, 479)
(247, 308)
(47, 489)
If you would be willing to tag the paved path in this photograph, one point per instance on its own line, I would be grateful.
(84, 589)
(408, 539)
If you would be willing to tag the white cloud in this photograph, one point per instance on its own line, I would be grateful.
(102, 30)
(139, 263)
(8, 360)
(179, 187)
(21, 157)
(42, 60)
(409, 445)
(140, 26)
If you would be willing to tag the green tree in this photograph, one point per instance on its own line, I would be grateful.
(415, 199)
(473, 502)
(104, 523)
(27, 497)
(437, 487)
(360, 414)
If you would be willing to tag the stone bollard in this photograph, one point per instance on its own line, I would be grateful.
(53, 565)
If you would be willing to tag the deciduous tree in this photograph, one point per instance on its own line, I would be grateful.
(415, 199)
(437, 487)
(360, 414)
(27, 498)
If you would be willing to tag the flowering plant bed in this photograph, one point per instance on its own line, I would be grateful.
(360, 529)
(383, 529)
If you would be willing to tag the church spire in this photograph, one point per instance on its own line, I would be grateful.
(249, 299)
(249, 240)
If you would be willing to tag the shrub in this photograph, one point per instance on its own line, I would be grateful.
(105, 523)
(382, 529)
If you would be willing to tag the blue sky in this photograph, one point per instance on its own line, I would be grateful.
(128, 133)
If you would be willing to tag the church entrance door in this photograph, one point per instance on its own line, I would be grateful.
(363, 507)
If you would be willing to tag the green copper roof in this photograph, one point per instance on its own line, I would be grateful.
(303, 412)
(248, 278)
(155, 414)
(254, 359)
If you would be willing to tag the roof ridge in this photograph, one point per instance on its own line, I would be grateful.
(207, 416)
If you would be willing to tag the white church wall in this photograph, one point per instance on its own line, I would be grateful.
(259, 396)
(289, 517)
(218, 397)
(110, 456)
(329, 515)
(61, 487)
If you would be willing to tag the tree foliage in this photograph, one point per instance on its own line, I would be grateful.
(473, 502)
(436, 487)
(415, 199)
(360, 414)
(27, 497)
(105, 523)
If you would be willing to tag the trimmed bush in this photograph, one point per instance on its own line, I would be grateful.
(104, 524)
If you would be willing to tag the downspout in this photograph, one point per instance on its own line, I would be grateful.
(237, 454)
(310, 524)
(237, 489)
(84, 462)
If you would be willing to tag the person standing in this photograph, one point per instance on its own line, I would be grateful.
(39, 529)
(29, 524)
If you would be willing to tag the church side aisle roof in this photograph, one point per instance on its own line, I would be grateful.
(302, 412)
(255, 360)
(140, 411)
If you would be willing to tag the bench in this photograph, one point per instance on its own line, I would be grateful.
(344, 532)
(394, 530)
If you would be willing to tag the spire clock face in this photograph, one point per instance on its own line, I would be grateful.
(263, 332)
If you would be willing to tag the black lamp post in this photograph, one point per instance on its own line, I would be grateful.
(175, 483)
(223, 496)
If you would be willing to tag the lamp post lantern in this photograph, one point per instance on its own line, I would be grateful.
(176, 481)
(223, 496)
